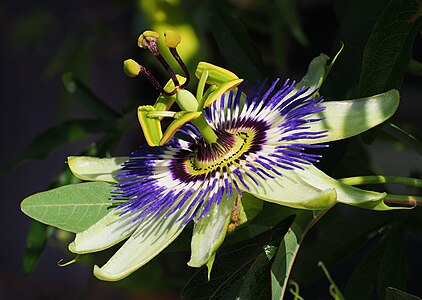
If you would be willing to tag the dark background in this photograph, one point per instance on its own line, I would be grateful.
(40, 40)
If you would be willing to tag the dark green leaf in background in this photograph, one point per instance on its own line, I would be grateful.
(288, 12)
(84, 95)
(241, 269)
(62, 134)
(382, 267)
(389, 47)
(35, 242)
(357, 18)
(395, 294)
(237, 48)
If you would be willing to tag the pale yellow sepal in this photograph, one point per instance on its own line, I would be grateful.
(94, 168)
(107, 232)
(347, 118)
(210, 231)
(154, 233)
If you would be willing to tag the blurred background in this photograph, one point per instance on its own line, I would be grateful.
(61, 68)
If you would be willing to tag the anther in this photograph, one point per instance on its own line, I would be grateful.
(132, 69)
(146, 38)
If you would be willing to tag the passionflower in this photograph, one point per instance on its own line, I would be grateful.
(227, 141)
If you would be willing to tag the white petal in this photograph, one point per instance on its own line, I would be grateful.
(345, 193)
(209, 232)
(311, 189)
(94, 168)
(150, 238)
(107, 232)
(347, 118)
(291, 190)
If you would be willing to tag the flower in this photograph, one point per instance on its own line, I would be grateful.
(262, 138)
(227, 142)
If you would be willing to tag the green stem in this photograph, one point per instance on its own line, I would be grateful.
(390, 198)
(401, 135)
(379, 179)
(205, 129)
(334, 290)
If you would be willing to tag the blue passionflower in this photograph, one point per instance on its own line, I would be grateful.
(261, 144)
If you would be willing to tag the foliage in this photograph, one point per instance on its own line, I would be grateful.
(365, 251)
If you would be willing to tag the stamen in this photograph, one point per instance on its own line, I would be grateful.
(132, 69)
(148, 40)
(172, 40)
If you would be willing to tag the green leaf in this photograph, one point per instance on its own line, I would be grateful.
(287, 11)
(388, 50)
(237, 47)
(73, 207)
(393, 265)
(403, 136)
(64, 133)
(83, 94)
(241, 269)
(415, 67)
(362, 281)
(357, 19)
(380, 268)
(35, 243)
(395, 294)
(283, 262)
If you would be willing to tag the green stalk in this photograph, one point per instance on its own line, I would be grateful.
(379, 179)
(205, 129)
(390, 198)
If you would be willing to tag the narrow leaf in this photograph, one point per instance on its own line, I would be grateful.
(51, 139)
(395, 294)
(83, 94)
(288, 12)
(35, 242)
(357, 19)
(283, 262)
(237, 47)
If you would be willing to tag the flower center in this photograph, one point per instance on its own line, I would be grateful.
(227, 150)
